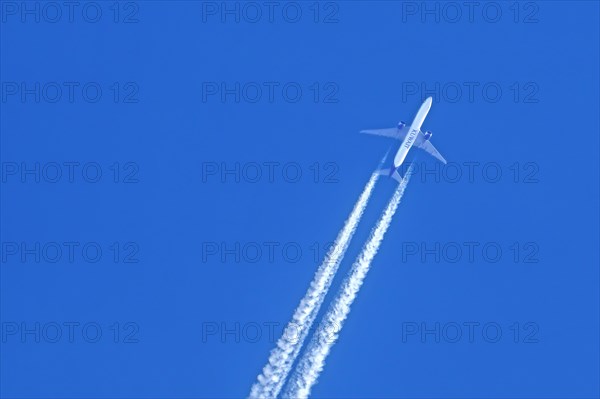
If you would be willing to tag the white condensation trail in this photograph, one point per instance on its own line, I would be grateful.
(282, 357)
(312, 362)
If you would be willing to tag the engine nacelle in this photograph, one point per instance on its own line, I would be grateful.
(428, 135)
(401, 125)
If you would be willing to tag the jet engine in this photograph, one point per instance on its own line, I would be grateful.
(401, 125)
(428, 135)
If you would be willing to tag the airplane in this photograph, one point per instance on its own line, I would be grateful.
(410, 136)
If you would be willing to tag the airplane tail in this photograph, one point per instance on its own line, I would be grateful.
(389, 172)
(396, 176)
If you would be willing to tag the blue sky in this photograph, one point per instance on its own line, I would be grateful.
(150, 149)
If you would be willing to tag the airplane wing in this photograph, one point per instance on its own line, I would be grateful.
(399, 134)
(392, 132)
(426, 146)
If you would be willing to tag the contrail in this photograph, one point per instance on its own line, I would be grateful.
(313, 360)
(282, 357)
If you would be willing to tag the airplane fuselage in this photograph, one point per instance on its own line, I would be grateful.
(412, 134)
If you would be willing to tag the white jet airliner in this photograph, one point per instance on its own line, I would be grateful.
(410, 135)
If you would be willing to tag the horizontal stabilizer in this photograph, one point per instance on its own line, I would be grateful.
(388, 172)
(384, 171)
(397, 176)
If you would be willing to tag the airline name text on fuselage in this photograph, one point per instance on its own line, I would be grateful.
(411, 138)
